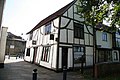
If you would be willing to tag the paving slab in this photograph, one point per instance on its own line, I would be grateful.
(18, 69)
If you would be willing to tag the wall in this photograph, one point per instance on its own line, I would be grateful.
(42, 40)
(3, 45)
(104, 44)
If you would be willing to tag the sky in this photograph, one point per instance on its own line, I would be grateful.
(20, 16)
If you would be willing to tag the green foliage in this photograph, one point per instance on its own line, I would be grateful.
(96, 11)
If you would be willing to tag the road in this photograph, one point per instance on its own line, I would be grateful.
(18, 69)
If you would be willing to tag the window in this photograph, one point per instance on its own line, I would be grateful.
(78, 54)
(31, 35)
(78, 49)
(28, 52)
(117, 42)
(45, 53)
(78, 31)
(107, 55)
(104, 56)
(104, 36)
(48, 28)
(115, 55)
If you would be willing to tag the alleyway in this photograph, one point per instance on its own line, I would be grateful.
(20, 70)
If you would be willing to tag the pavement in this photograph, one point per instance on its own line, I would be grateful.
(18, 69)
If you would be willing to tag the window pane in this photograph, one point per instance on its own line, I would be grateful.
(28, 52)
(78, 31)
(45, 54)
(104, 36)
(48, 28)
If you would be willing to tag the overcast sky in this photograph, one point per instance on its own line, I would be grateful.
(20, 16)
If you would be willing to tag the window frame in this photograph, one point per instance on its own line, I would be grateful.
(104, 36)
(78, 30)
(45, 53)
(48, 28)
(80, 52)
(31, 35)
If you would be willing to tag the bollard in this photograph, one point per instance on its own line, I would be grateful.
(34, 74)
(64, 73)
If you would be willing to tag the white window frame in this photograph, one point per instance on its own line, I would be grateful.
(104, 36)
(115, 56)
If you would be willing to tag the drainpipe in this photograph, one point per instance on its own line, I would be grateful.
(3, 46)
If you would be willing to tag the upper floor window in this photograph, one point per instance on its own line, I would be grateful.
(48, 28)
(31, 35)
(104, 36)
(117, 42)
(78, 31)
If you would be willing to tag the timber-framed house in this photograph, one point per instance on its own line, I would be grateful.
(62, 39)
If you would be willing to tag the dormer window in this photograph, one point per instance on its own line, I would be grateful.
(48, 28)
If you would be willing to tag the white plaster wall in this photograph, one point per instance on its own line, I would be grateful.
(35, 35)
(70, 12)
(70, 26)
(60, 57)
(64, 21)
(54, 57)
(77, 41)
(104, 44)
(40, 54)
(37, 55)
(63, 36)
(70, 36)
(27, 58)
(70, 57)
(46, 64)
(65, 14)
(31, 54)
(56, 22)
(91, 40)
(77, 17)
(89, 28)
(89, 56)
(86, 39)
(81, 41)
(3, 43)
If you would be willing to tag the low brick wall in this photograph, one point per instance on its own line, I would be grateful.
(107, 68)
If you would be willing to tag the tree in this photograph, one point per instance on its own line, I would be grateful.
(97, 11)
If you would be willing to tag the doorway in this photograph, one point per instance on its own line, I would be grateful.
(64, 57)
(34, 54)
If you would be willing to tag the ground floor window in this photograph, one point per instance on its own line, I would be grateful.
(45, 54)
(78, 54)
(107, 56)
(115, 55)
(28, 52)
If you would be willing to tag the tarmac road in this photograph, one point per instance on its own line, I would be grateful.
(18, 69)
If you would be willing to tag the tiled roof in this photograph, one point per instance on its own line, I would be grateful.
(53, 16)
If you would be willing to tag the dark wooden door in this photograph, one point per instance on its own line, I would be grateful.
(64, 57)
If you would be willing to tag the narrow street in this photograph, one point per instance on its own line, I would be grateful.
(17, 69)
